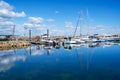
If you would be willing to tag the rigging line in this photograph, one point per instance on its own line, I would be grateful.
(76, 25)
(80, 23)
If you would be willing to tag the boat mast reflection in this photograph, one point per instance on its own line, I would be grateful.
(84, 60)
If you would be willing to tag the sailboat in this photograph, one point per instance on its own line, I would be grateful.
(79, 40)
(70, 40)
(76, 40)
(87, 38)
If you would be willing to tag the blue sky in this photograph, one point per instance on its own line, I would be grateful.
(60, 16)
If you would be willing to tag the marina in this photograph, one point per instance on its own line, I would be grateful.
(59, 40)
(94, 57)
(84, 61)
(62, 40)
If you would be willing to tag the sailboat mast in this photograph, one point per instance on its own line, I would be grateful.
(76, 26)
(87, 23)
(80, 23)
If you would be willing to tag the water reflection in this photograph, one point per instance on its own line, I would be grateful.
(65, 62)
(40, 49)
(36, 50)
(8, 59)
(84, 57)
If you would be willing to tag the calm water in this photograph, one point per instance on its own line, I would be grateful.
(69, 62)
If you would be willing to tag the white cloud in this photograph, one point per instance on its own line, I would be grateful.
(37, 23)
(36, 20)
(68, 24)
(6, 27)
(11, 14)
(50, 20)
(7, 13)
(27, 25)
(98, 29)
(5, 5)
(22, 14)
(6, 23)
(5, 18)
(102, 29)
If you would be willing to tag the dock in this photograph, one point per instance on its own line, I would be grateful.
(7, 45)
